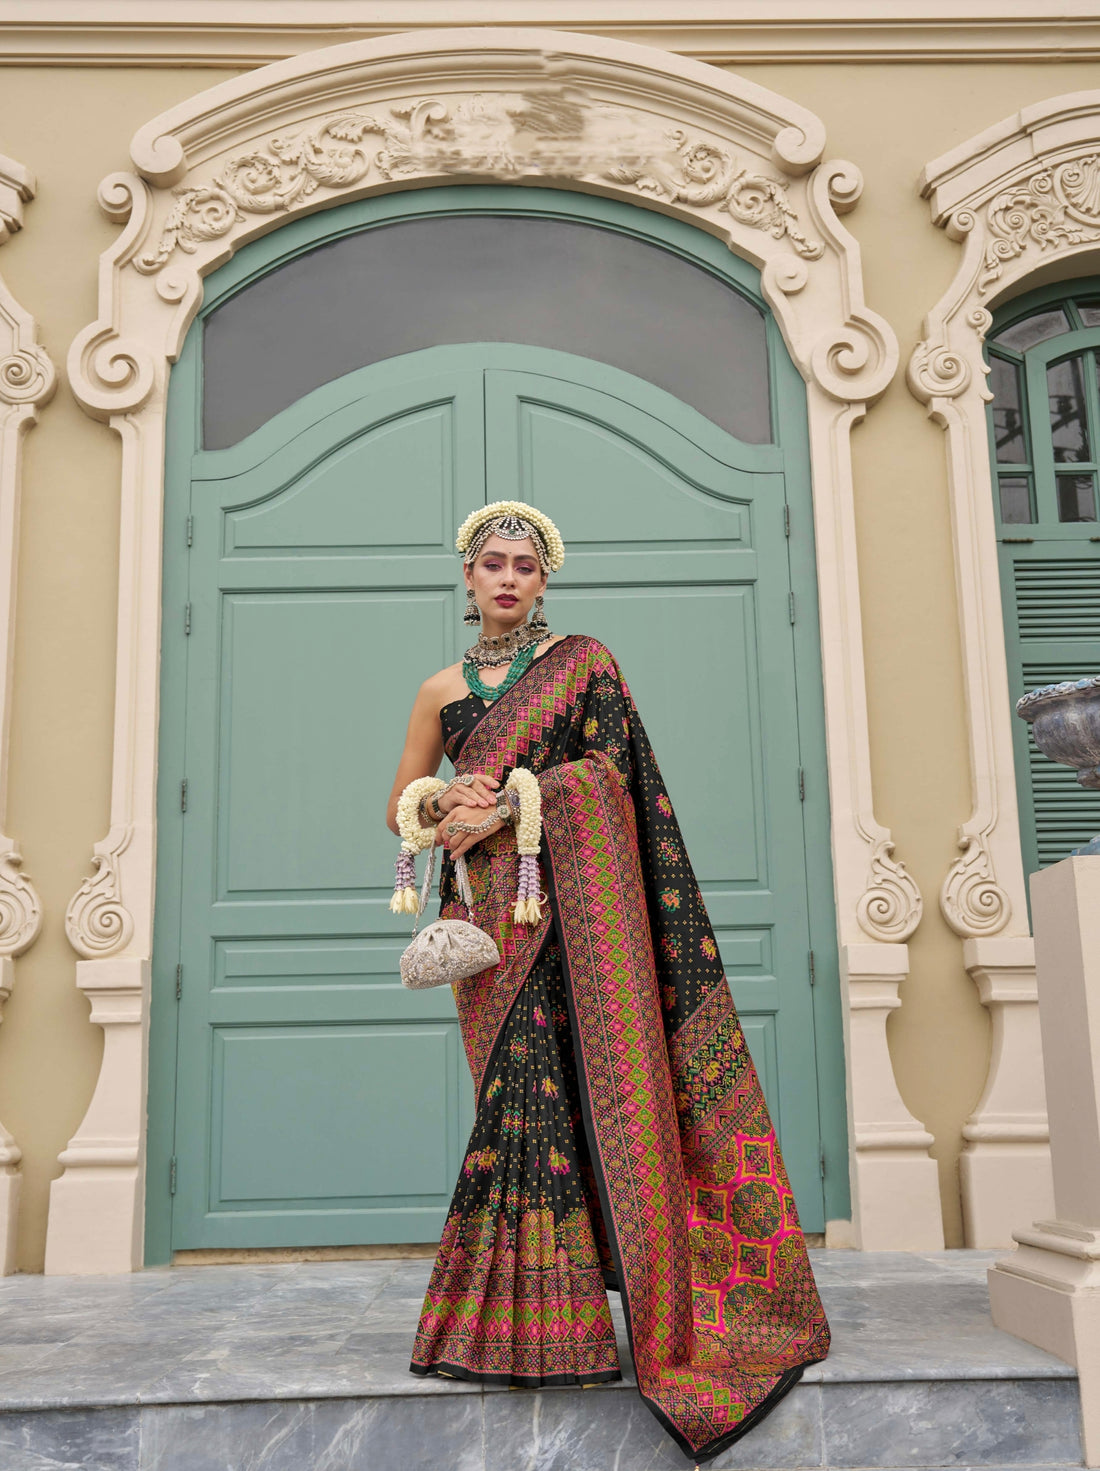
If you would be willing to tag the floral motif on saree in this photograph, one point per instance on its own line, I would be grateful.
(657, 1167)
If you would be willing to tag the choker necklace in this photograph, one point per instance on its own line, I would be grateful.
(502, 648)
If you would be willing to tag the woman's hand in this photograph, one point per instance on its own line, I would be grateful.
(460, 842)
(481, 793)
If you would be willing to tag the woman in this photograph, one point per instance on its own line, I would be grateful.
(621, 1137)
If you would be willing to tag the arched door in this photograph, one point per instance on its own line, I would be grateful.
(301, 1095)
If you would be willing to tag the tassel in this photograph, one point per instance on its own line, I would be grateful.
(404, 899)
(526, 909)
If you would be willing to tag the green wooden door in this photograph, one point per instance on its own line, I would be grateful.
(677, 561)
(298, 1095)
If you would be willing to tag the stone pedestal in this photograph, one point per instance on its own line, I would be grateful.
(1048, 1290)
(96, 1217)
(1004, 1167)
(11, 1176)
(895, 1181)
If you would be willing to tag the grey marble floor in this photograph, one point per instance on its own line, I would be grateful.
(317, 1330)
(304, 1367)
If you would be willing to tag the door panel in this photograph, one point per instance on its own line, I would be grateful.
(330, 504)
(677, 561)
(324, 1103)
(317, 1102)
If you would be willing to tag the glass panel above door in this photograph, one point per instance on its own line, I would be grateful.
(1039, 327)
(1008, 421)
(1068, 420)
(398, 288)
(1016, 500)
(1076, 497)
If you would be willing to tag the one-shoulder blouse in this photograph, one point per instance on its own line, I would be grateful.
(459, 717)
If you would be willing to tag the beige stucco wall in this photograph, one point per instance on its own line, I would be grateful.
(70, 127)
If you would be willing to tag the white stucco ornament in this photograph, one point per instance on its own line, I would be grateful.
(27, 383)
(1020, 198)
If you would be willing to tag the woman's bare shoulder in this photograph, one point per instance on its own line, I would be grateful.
(441, 687)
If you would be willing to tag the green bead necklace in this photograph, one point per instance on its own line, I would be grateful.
(519, 665)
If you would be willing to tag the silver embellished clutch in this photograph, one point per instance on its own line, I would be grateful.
(450, 949)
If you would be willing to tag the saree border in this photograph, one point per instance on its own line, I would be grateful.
(627, 1075)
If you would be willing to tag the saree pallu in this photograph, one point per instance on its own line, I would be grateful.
(621, 1137)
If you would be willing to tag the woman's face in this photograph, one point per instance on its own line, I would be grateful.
(506, 578)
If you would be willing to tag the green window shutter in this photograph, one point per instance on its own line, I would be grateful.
(1050, 567)
(1058, 613)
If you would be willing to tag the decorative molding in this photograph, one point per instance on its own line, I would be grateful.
(96, 921)
(890, 907)
(1054, 208)
(1022, 193)
(972, 901)
(1020, 197)
(27, 382)
(552, 134)
(249, 33)
(588, 114)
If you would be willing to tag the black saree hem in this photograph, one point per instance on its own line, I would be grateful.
(444, 1370)
(709, 1452)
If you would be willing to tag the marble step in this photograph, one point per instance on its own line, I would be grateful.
(303, 1367)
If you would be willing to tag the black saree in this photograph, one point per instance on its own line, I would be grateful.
(621, 1135)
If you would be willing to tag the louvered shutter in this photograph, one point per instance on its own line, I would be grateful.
(1044, 425)
(1052, 597)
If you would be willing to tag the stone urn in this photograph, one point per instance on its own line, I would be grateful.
(1065, 721)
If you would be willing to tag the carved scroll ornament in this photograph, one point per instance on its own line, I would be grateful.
(891, 906)
(972, 901)
(1056, 207)
(501, 136)
(97, 922)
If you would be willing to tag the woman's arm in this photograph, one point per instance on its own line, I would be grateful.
(424, 751)
(423, 746)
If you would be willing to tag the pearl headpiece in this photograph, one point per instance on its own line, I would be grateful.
(513, 520)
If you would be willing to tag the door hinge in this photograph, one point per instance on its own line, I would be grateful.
(183, 795)
(813, 971)
(821, 1162)
(1018, 538)
(791, 606)
(786, 520)
(187, 617)
(190, 529)
(802, 784)
(172, 1176)
(179, 980)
